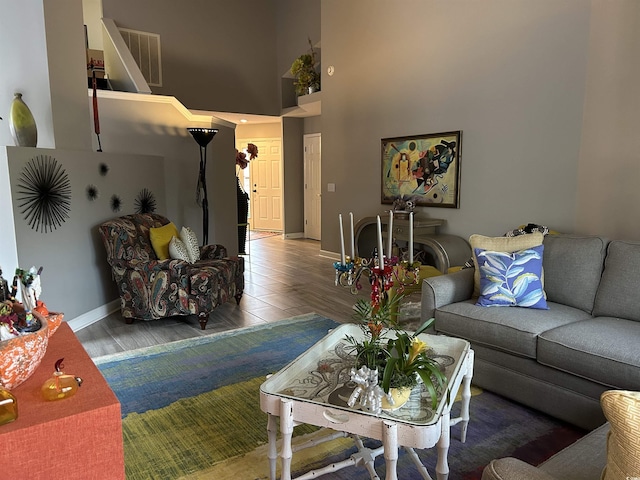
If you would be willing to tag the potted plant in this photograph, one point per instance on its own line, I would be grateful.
(307, 79)
(401, 360)
(408, 363)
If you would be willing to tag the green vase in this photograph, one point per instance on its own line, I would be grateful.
(22, 124)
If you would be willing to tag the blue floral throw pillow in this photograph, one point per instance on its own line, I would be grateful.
(511, 279)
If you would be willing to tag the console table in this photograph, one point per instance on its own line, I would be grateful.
(79, 437)
(442, 250)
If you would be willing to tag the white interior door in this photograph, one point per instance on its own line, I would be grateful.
(265, 193)
(312, 186)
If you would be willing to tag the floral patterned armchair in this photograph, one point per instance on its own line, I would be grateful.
(150, 288)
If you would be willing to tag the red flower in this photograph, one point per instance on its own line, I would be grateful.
(241, 158)
(253, 151)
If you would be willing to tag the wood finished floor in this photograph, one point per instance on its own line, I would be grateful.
(283, 278)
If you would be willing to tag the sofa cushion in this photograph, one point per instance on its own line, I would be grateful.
(582, 460)
(510, 468)
(603, 350)
(572, 267)
(622, 409)
(500, 244)
(160, 238)
(511, 278)
(513, 330)
(618, 291)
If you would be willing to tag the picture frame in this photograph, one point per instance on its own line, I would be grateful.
(423, 169)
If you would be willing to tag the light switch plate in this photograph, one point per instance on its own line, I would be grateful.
(331, 187)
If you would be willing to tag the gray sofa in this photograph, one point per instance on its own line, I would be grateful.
(558, 361)
(582, 460)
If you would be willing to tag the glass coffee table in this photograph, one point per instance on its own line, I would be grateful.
(314, 389)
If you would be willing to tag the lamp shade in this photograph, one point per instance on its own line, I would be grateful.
(203, 135)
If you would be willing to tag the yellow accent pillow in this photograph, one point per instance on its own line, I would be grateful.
(622, 409)
(160, 238)
(500, 244)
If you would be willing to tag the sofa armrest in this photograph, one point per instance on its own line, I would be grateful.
(513, 469)
(212, 252)
(445, 289)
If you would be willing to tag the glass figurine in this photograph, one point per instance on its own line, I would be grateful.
(8, 407)
(60, 385)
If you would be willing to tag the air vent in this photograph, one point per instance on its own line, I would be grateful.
(145, 48)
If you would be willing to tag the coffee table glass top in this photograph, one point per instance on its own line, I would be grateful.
(322, 376)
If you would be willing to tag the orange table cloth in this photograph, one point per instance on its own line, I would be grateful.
(75, 438)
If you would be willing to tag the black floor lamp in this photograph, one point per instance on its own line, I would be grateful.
(203, 136)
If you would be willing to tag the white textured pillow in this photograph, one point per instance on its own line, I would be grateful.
(178, 250)
(190, 240)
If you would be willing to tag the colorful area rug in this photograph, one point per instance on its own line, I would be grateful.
(191, 411)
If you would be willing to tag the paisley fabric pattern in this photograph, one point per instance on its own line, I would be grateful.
(150, 288)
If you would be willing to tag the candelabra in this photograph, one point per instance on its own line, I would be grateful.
(394, 273)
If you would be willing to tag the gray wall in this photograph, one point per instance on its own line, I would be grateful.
(216, 55)
(76, 277)
(509, 74)
(609, 172)
(293, 172)
(144, 141)
(47, 65)
(147, 124)
(313, 124)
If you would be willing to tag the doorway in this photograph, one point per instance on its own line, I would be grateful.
(262, 180)
(312, 186)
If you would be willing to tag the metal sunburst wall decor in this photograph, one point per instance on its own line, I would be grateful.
(116, 203)
(92, 192)
(44, 193)
(145, 202)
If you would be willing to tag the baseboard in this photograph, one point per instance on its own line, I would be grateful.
(331, 255)
(94, 315)
(294, 235)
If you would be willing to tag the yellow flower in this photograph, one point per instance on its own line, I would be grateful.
(417, 347)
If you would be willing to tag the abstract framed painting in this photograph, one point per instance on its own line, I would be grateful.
(424, 169)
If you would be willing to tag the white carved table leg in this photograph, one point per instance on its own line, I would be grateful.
(442, 465)
(466, 396)
(286, 429)
(273, 449)
(390, 441)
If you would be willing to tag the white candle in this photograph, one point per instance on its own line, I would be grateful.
(390, 235)
(353, 242)
(380, 251)
(341, 241)
(411, 238)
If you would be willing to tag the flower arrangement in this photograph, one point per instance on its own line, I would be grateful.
(241, 157)
(400, 360)
(409, 360)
